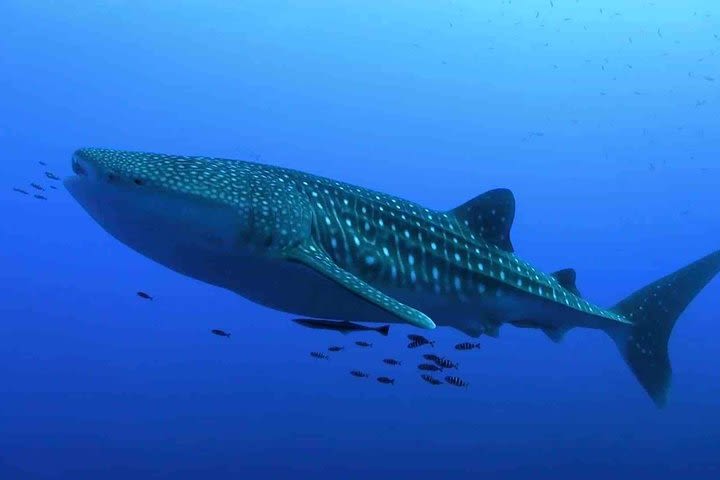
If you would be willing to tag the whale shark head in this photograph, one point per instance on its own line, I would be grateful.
(174, 209)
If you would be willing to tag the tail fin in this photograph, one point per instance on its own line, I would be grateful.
(384, 330)
(653, 311)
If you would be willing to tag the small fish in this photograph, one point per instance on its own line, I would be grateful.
(358, 374)
(20, 190)
(431, 356)
(456, 381)
(342, 327)
(392, 361)
(430, 379)
(42, 163)
(144, 295)
(40, 197)
(415, 344)
(429, 367)
(53, 187)
(386, 380)
(37, 187)
(335, 348)
(363, 344)
(467, 346)
(319, 355)
(51, 176)
(420, 339)
(220, 333)
(709, 79)
(445, 363)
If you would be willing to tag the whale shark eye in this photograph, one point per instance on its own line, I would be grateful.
(137, 181)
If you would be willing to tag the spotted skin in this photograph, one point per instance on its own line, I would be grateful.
(321, 248)
(401, 245)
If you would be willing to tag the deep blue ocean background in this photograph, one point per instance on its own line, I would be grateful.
(602, 117)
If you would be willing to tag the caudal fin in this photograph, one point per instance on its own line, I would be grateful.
(653, 311)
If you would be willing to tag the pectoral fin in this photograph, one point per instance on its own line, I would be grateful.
(315, 258)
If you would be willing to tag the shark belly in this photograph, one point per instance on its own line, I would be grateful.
(201, 241)
(521, 309)
(294, 288)
(475, 314)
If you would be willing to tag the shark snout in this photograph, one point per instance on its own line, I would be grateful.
(83, 183)
(74, 183)
(77, 166)
(84, 165)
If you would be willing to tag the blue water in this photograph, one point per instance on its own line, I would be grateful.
(602, 117)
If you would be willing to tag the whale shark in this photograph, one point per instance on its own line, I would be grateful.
(321, 248)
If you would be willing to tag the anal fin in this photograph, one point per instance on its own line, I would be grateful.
(492, 329)
(556, 334)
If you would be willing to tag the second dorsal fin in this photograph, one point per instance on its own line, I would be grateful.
(490, 215)
(566, 278)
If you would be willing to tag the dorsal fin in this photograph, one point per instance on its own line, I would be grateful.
(490, 215)
(566, 278)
